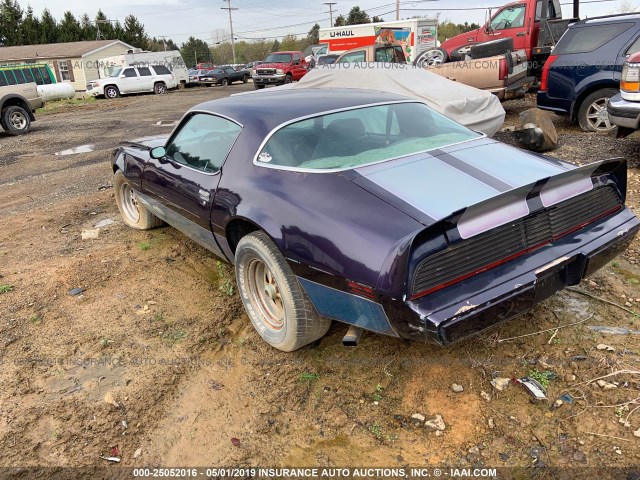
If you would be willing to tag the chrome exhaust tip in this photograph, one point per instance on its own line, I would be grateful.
(352, 337)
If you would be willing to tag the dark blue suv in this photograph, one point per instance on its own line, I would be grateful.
(583, 71)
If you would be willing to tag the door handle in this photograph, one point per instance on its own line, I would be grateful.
(521, 34)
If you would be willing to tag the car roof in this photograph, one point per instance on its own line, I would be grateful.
(269, 109)
(621, 17)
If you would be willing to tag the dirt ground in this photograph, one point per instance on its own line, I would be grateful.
(156, 363)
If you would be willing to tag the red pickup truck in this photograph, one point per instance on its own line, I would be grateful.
(280, 68)
(530, 25)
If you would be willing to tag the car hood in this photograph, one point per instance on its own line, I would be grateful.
(483, 176)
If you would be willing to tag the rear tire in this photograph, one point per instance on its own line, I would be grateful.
(430, 58)
(491, 48)
(15, 120)
(273, 298)
(133, 212)
(592, 115)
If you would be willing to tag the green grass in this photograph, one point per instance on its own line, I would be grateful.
(376, 430)
(4, 288)
(308, 378)
(541, 377)
(58, 104)
(36, 320)
(225, 283)
(144, 246)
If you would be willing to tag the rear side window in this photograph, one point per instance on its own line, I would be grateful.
(635, 47)
(589, 38)
(144, 71)
(46, 76)
(161, 70)
(28, 76)
(19, 76)
(11, 79)
(3, 80)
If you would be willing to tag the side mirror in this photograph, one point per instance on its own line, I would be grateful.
(158, 153)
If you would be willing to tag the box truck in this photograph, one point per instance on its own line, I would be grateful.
(415, 35)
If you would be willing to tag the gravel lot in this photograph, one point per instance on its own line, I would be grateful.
(156, 362)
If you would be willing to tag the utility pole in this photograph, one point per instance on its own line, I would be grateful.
(331, 4)
(397, 9)
(233, 42)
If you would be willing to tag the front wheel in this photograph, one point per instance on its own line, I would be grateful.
(224, 82)
(133, 212)
(431, 58)
(592, 115)
(111, 92)
(15, 120)
(273, 298)
(245, 79)
(160, 88)
(288, 79)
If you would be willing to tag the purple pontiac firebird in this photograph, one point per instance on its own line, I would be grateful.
(372, 209)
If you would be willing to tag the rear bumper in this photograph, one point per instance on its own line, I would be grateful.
(623, 112)
(504, 292)
(553, 104)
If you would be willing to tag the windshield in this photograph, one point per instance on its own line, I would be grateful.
(215, 71)
(114, 71)
(278, 58)
(361, 136)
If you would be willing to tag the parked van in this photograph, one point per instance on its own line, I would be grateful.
(157, 79)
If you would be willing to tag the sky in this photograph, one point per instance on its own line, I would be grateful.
(204, 19)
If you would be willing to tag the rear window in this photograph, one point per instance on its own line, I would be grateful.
(589, 38)
(161, 70)
(393, 54)
(361, 136)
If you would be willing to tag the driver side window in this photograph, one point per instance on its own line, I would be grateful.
(512, 17)
(203, 142)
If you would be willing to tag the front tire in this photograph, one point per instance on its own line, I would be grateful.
(224, 82)
(111, 92)
(15, 120)
(133, 212)
(160, 88)
(273, 298)
(288, 79)
(245, 79)
(592, 115)
(257, 86)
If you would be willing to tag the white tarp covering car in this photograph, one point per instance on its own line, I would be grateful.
(476, 109)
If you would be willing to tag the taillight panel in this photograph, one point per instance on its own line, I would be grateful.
(544, 81)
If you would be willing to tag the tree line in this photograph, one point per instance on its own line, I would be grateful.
(23, 27)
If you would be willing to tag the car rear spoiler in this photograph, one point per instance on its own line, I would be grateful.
(519, 202)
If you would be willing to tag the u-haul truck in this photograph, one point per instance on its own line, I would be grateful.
(415, 36)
